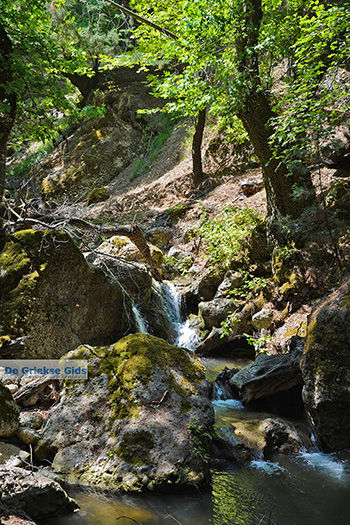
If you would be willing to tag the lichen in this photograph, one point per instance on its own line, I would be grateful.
(97, 195)
(132, 361)
(135, 447)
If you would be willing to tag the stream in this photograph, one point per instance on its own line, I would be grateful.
(310, 488)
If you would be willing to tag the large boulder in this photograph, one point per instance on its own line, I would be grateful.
(140, 421)
(272, 382)
(49, 293)
(326, 369)
(147, 294)
(9, 413)
(33, 494)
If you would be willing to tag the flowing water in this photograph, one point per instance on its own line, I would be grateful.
(310, 488)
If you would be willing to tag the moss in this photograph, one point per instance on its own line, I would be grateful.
(8, 409)
(97, 195)
(135, 447)
(133, 361)
(23, 261)
(295, 330)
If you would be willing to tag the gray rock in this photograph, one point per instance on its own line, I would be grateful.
(28, 435)
(231, 280)
(272, 381)
(326, 369)
(63, 301)
(32, 493)
(9, 412)
(215, 311)
(280, 437)
(31, 419)
(131, 425)
(12, 456)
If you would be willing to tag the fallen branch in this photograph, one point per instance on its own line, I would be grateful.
(132, 232)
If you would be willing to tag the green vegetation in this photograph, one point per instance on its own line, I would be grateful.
(227, 237)
(153, 144)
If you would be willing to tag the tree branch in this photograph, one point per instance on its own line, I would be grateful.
(143, 20)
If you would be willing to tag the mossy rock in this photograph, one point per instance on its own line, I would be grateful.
(128, 426)
(49, 293)
(325, 366)
(9, 413)
(121, 246)
(97, 195)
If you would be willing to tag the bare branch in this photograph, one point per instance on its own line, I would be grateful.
(143, 20)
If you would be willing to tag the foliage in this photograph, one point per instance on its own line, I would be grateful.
(201, 439)
(226, 237)
(94, 29)
(153, 143)
(259, 343)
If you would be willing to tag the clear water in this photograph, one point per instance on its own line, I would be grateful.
(310, 488)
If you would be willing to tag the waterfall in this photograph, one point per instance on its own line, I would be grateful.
(186, 336)
(140, 322)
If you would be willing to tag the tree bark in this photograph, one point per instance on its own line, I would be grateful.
(256, 114)
(197, 167)
(8, 97)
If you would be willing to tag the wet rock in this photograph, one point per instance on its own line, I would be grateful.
(325, 367)
(223, 386)
(238, 454)
(33, 494)
(216, 345)
(280, 437)
(49, 293)
(131, 426)
(12, 456)
(272, 382)
(137, 280)
(9, 413)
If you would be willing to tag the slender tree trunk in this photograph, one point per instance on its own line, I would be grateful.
(8, 97)
(197, 168)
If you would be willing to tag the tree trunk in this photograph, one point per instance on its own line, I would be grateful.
(9, 98)
(279, 183)
(256, 114)
(197, 168)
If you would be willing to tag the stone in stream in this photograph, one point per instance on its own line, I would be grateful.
(141, 421)
(33, 494)
(280, 437)
(326, 369)
(272, 382)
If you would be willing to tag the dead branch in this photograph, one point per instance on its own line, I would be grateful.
(132, 232)
(143, 20)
